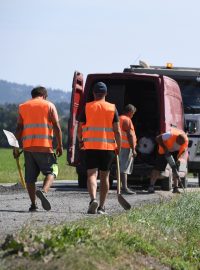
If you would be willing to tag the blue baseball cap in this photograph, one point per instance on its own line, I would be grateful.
(100, 88)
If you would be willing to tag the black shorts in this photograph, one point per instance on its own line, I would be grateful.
(36, 162)
(161, 161)
(100, 159)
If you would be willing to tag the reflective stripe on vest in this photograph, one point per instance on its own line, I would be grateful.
(98, 130)
(98, 140)
(125, 142)
(28, 137)
(38, 126)
(37, 129)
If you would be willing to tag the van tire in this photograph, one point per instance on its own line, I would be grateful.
(82, 180)
(166, 183)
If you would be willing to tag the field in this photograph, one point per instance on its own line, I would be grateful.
(9, 172)
(158, 236)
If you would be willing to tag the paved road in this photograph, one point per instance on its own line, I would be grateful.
(68, 202)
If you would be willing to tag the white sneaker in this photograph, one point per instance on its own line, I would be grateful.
(93, 207)
(101, 210)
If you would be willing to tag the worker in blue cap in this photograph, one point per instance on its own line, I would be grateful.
(100, 136)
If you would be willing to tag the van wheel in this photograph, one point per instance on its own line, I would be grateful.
(167, 183)
(184, 182)
(82, 180)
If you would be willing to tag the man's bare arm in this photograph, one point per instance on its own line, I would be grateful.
(80, 134)
(132, 143)
(117, 133)
(58, 134)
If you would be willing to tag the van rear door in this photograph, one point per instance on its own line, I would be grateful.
(75, 109)
(173, 106)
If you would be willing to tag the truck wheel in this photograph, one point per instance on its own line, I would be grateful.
(167, 183)
(82, 180)
(184, 182)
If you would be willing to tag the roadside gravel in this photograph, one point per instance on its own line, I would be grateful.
(68, 203)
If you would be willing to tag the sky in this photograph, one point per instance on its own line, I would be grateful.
(42, 42)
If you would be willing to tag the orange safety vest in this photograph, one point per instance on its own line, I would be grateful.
(125, 142)
(98, 130)
(37, 129)
(171, 141)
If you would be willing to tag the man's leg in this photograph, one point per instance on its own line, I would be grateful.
(31, 188)
(92, 182)
(104, 187)
(175, 181)
(48, 181)
(125, 188)
(124, 180)
(41, 194)
(154, 176)
(92, 189)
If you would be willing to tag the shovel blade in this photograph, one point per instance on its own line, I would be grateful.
(11, 138)
(123, 202)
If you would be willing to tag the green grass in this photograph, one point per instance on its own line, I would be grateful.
(9, 172)
(148, 237)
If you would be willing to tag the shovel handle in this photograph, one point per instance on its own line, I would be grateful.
(118, 176)
(22, 180)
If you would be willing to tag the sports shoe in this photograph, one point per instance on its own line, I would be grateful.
(93, 207)
(151, 189)
(42, 196)
(128, 191)
(101, 210)
(176, 190)
(33, 207)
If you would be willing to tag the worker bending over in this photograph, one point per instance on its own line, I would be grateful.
(174, 142)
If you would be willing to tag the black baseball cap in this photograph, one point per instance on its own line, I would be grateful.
(100, 88)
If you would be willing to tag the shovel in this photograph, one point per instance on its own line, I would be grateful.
(172, 164)
(13, 142)
(126, 205)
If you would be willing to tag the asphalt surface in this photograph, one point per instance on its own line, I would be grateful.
(68, 202)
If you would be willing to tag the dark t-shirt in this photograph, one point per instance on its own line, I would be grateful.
(82, 117)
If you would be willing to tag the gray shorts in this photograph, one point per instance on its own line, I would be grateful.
(36, 162)
(126, 160)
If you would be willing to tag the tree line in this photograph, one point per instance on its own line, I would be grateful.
(9, 114)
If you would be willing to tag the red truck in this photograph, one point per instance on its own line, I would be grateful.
(159, 106)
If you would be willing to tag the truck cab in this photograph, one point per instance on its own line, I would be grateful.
(188, 79)
(159, 107)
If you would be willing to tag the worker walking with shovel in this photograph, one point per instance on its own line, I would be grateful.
(172, 148)
(37, 123)
(100, 136)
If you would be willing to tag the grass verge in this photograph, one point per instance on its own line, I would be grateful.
(9, 172)
(162, 236)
